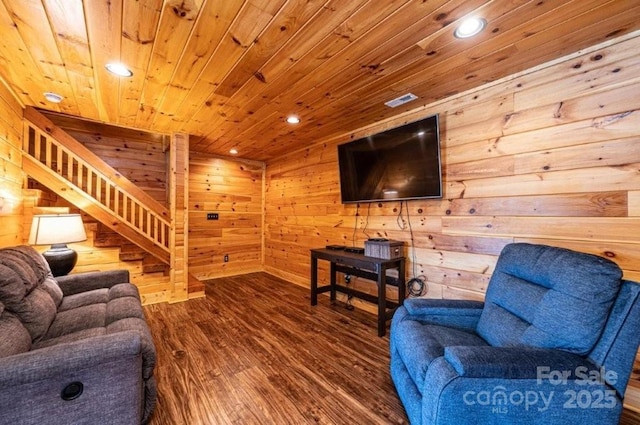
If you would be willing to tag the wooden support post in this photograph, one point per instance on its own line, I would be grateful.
(178, 198)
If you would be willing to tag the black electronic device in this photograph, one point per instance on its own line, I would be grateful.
(397, 164)
(354, 249)
(378, 239)
(336, 247)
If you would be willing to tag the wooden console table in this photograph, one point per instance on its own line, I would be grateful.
(362, 266)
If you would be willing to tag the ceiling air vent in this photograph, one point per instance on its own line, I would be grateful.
(401, 100)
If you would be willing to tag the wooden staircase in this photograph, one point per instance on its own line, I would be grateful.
(127, 217)
(73, 172)
(104, 237)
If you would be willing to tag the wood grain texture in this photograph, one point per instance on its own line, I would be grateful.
(229, 72)
(179, 194)
(95, 254)
(560, 168)
(11, 174)
(233, 190)
(48, 129)
(79, 198)
(255, 352)
(139, 156)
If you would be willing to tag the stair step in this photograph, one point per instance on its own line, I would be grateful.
(107, 241)
(131, 256)
(105, 229)
(131, 252)
(151, 264)
(44, 195)
(195, 285)
(155, 269)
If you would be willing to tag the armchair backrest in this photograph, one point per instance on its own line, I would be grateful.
(548, 297)
(616, 350)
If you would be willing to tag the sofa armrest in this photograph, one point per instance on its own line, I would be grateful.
(516, 363)
(456, 313)
(95, 380)
(81, 282)
(48, 362)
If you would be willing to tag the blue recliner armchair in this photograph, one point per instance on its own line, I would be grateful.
(553, 343)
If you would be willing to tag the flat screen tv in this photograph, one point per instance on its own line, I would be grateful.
(398, 164)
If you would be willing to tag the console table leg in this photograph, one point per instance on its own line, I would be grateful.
(314, 280)
(382, 301)
(370, 268)
(333, 280)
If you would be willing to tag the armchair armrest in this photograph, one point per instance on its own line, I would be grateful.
(81, 282)
(516, 362)
(517, 384)
(462, 314)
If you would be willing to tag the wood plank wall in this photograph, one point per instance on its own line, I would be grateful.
(550, 156)
(140, 156)
(232, 189)
(11, 175)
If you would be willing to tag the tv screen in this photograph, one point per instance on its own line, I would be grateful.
(398, 164)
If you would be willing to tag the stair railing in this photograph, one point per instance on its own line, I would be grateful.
(73, 162)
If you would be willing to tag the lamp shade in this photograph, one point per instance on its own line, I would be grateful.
(52, 229)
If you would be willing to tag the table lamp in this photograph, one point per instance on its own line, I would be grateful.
(58, 230)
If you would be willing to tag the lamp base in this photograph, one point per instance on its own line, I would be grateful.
(61, 259)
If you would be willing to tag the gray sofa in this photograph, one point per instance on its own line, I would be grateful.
(74, 349)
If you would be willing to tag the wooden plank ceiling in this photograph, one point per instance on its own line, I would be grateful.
(229, 72)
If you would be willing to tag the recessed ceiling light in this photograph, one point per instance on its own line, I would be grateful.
(53, 97)
(118, 69)
(233, 151)
(470, 27)
(292, 119)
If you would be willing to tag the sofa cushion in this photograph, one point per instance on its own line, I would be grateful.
(548, 297)
(71, 337)
(77, 319)
(102, 295)
(420, 344)
(36, 312)
(96, 296)
(32, 269)
(97, 308)
(28, 289)
(51, 287)
(58, 336)
(15, 337)
(31, 304)
(24, 261)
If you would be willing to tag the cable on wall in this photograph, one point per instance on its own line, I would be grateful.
(366, 223)
(355, 225)
(399, 219)
(347, 282)
(416, 285)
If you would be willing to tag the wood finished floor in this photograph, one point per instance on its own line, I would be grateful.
(255, 352)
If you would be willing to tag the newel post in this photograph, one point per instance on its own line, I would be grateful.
(178, 199)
